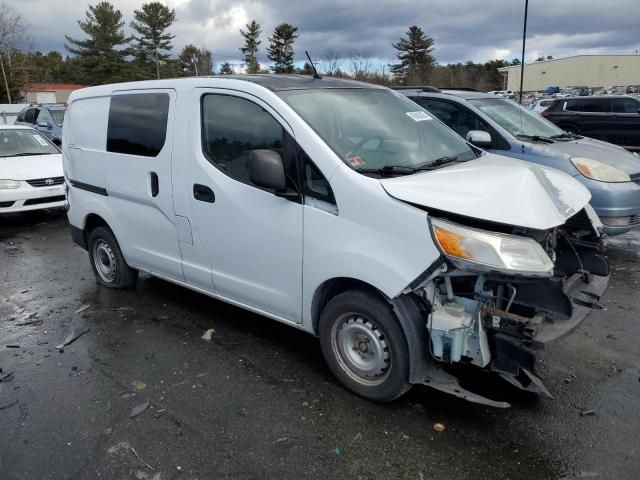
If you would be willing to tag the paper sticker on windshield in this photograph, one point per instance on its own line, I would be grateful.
(40, 140)
(419, 116)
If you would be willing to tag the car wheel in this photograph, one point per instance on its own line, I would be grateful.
(364, 345)
(107, 261)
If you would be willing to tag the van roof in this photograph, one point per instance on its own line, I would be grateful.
(270, 81)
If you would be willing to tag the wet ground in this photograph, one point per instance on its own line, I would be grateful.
(257, 401)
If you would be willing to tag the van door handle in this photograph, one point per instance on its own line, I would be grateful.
(203, 193)
(155, 184)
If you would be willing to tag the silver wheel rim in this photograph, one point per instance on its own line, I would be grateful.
(104, 261)
(361, 349)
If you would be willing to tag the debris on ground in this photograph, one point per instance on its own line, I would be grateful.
(139, 385)
(439, 427)
(73, 336)
(133, 450)
(82, 308)
(207, 335)
(13, 346)
(138, 409)
(587, 413)
(359, 435)
(7, 378)
(337, 451)
(8, 405)
(283, 439)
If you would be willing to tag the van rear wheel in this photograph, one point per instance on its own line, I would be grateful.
(107, 261)
(364, 345)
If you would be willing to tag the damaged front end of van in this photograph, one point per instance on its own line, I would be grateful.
(507, 284)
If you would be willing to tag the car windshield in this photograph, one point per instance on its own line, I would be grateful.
(24, 142)
(58, 116)
(516, 120)
(377, 128)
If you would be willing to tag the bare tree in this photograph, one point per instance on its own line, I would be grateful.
(331, 61)
(361, 65)
(12, 37)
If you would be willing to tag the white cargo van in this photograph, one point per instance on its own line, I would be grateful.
(339, 208)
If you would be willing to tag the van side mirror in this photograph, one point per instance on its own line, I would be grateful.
(266, 170)
(479, 138)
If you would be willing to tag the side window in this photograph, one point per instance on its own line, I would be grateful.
(231, 128)
(625, 105)
(596, 105)
(456, 117)
(314, 184)
(43, 116)
(30, 116)
(138, 123)
(21, 116)
(571, 106)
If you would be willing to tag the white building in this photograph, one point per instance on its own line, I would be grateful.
(580, 70)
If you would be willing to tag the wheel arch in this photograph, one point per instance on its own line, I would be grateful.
(410, 310)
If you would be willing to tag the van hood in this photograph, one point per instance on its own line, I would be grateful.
(496, 189)
(588, 147)
(31, 167)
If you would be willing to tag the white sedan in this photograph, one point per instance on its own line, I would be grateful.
(31, 175)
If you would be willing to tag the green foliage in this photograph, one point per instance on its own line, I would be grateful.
(306, 69)
(251, 43)
(152, 44)
(99, 59)
(194, 60)
(280, 50)
(416, 62)
(226, 69)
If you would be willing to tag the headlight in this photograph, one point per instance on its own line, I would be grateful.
(473, 249)
(9, 184)
(596, 170)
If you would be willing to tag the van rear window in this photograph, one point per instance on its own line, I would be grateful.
(138, 123)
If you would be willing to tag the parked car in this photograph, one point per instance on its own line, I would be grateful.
(611, 118)
(47, 119)
(611, 173)
(539, 106)
(339, 208)
(31, 175)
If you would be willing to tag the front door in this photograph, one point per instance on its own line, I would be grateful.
(138, 179)
(252, 238)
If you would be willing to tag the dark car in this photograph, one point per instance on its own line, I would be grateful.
(47, 119)
(611, 118)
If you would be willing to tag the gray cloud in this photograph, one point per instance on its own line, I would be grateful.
(462, 30)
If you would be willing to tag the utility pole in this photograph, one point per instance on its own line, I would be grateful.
(524, 42)
(6, 83)
(194, 61)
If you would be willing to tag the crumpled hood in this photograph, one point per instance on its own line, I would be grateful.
(31, 167)
(496, 189)
(588, 147)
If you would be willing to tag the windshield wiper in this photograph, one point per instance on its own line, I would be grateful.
(535, 138)
(408, 169)
(565, 135)
(26, 154)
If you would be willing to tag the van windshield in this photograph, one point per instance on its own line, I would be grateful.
(373, 129)
(516, 120)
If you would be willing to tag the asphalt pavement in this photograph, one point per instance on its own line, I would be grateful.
(140, 395)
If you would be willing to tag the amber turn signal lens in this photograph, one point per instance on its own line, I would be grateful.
(450, 242)
(585, 170)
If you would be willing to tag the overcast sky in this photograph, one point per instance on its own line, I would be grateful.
(477, 30)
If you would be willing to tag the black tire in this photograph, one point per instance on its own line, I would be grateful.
(105, 251)
(354, 326)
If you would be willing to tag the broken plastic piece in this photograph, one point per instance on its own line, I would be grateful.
(82, 308)
(207, 335)
(138, 409)
(73, 336)
(439, 427)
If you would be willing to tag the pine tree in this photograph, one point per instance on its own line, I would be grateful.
(280, 50)
(226, 69)
(99, 59)
(195, 61)
(251, 43)
(152, 45)
(416, 62)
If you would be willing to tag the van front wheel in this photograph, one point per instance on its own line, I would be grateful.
(107, 261)
(364, 345)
